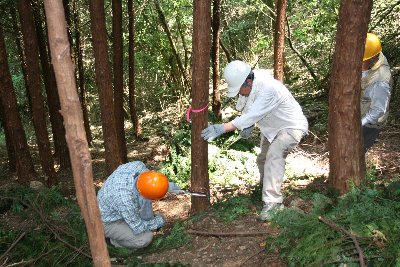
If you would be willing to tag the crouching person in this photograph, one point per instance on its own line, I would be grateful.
(125, 203)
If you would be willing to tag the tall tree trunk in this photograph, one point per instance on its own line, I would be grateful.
(279, 47)
(34, 85)
(132, 97)
(81, 77)
(10, 147)
(200, 86)
(164, 25)
(53, 101)
(13, 125)
(118, 77)
(103, 81)
(216, 103)
(346, 151)
(76, 137)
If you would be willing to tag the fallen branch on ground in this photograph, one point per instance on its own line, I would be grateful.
(203, 233)
(12, 246)
(353, 238)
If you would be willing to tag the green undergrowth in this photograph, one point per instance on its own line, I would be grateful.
(323, 237)
(47, 229)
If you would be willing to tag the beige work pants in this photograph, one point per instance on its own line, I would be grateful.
(271, 162)
(121, 235)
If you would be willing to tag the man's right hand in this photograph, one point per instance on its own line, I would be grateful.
(213, 131)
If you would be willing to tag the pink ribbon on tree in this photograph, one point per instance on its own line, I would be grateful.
(193, 110)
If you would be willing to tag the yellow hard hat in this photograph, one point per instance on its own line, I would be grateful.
(372, 46)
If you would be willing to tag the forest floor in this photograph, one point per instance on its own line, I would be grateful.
(242, 241)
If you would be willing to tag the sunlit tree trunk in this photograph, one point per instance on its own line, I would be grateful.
(279, 47)
(216, 103)
(346, 151)
(200, 86)
(81, 76)
(132, 97)
(103, 81)
(76, 137)
(53, 102)
(118, 76)
(34, 85)
(12, 121)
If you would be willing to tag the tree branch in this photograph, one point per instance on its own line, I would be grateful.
(203, 233)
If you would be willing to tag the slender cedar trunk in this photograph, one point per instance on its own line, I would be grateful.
(346, 151)
(164, 24)
(279, 47)
(18, 43)
(103, 81)
(132, 97)
(226, 51)
(200, 85)
(53, 101)
(216, 103)
(10, 147)
(34, 85)
(76, 137)
(81, 78)
(118, 77)
(13, 125)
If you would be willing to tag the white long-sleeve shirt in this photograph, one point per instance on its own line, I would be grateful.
(379, 95)
(272, 107)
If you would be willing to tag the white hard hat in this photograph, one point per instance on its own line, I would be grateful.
(235, 73)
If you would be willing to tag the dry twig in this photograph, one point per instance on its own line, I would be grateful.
(203, 233)
(12, 246)
(353, 238)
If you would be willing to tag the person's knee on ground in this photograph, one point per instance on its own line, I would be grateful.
(134, 241)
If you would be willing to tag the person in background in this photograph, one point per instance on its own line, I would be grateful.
(376, 87)
(125, 202)
(269, 104)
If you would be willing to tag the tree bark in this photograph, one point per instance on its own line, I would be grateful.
(12, 121)
(132, 97)
(76, 137)
(53, 101)
(118, 77)
(346, 152)
(34, 85)
(9, 146)
(81, 77)
(103, 81)
(216, 103)
(279, 47)
(200, 86)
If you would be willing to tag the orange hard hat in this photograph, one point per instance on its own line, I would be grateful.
(152, 185)
(372, 46)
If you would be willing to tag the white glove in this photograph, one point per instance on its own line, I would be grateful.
(174, 188)
(246, 132)
(212, 132)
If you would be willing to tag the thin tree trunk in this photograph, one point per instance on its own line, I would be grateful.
(279, 47)
(200, 85)
(346, 151)
(164, 24)
(118, 77)
(132, 97)
(34, 85)
(13, 125)
(10, 147)
(53, 101)
(81, 77)
(216, 103)
(76, 137)
(103, 81)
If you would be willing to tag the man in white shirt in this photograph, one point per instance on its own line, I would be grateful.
(376, 87)
(267, 102)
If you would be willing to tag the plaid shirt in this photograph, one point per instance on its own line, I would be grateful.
(119, 200)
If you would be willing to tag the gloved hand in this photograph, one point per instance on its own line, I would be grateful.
(212, 132)
(174, 188)
(246, 132)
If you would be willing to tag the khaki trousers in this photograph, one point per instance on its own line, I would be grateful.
(121, 235)
(271, 162)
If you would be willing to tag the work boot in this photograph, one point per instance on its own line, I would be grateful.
(268, 210)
